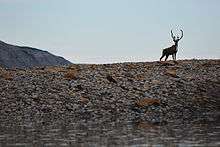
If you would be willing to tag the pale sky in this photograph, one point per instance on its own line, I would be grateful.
(107, 31)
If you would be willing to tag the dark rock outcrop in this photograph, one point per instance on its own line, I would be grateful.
(12, 56)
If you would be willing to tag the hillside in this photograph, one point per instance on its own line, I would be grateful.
(12, 56)
(158, 92)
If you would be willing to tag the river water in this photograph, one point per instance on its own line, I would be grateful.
(87, 133)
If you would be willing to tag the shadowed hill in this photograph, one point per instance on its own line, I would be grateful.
(12, 56)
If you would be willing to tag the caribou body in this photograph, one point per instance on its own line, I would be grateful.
(173, 49)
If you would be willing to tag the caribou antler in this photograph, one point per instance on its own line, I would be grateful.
(172, 35)
(181, 34)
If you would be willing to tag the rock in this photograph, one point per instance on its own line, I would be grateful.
(71, 74)
(147, 102)
(156, 82)
(166, 63)
(84, 100)
(111, 79)
(172, 73)
(6, 75)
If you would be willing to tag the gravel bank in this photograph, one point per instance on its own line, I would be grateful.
(158, 92)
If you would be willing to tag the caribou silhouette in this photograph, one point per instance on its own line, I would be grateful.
(173, 49)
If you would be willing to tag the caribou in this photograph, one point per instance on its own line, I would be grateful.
(173, 49)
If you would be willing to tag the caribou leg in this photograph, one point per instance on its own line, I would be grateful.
(166, 57)
(162, 57)
(173, 55)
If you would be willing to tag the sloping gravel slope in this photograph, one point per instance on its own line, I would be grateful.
(158, 92)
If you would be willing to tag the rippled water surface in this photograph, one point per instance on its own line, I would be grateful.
(106, 133)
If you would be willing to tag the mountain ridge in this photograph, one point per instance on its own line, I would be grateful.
(13, 56)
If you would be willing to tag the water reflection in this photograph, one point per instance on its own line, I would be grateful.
(85, 133)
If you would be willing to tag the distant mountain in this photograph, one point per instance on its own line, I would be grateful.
(12, 56)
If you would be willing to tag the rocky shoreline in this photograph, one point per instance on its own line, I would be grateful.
(157, 92)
